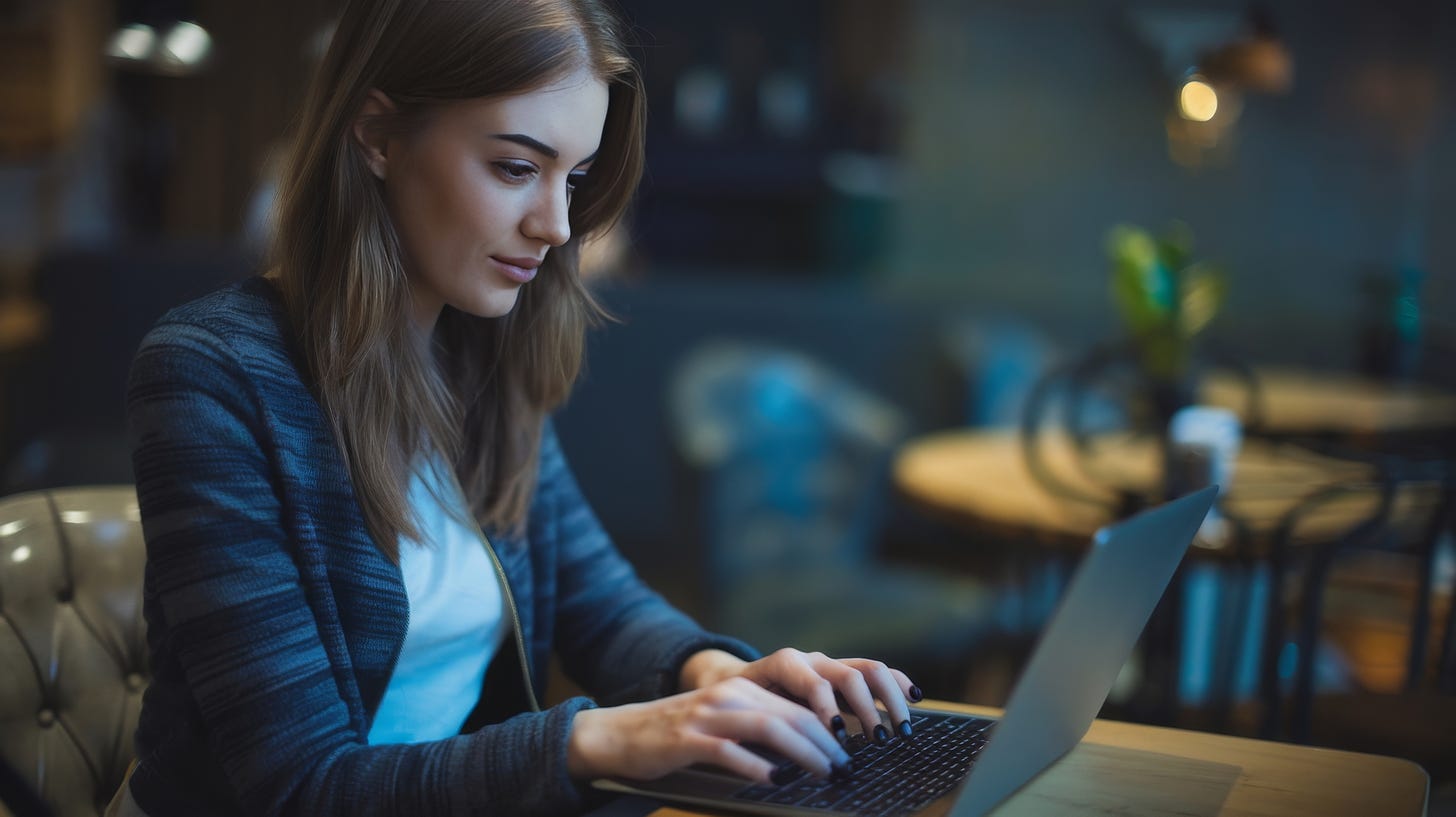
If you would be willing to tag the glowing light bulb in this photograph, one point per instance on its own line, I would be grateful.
(1197, 100)
(187, 43)
(133, 42)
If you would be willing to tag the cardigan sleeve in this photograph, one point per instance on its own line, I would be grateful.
(616, 637)
(229, 611)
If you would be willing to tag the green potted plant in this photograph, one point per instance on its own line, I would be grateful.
(1165, 299)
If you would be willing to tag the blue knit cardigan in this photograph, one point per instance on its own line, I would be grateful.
(273, 620)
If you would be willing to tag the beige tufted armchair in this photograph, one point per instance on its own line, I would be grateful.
(72, 642)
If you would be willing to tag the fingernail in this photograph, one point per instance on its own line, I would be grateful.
(882, 735)
(836, 723)
(916, 696)
(841, 771)
(783, 774)
(903, 729)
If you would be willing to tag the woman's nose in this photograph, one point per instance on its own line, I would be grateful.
(549, 220)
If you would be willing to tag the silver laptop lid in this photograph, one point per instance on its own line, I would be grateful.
(1089, 638)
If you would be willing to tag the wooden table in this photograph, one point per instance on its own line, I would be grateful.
(1302, 402)
(1147, 771)
(979, 479)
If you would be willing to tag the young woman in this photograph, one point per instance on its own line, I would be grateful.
(364, 542)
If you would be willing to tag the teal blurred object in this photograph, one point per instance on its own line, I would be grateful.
(857, 216)
(789, 462)
(998, 362)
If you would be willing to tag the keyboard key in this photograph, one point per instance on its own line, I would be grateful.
(755, 793)
(792, 794)
(830, 797)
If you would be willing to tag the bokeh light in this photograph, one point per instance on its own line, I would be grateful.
(1197, 100)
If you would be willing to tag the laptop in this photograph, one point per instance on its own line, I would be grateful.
(958, 765)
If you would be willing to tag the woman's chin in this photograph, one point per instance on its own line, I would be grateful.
(496, 304)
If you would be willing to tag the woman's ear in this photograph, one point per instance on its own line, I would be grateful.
(372, 141)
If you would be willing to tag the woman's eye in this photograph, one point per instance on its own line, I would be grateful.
(575, 180)
(516, 171)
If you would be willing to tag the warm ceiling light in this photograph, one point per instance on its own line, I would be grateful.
(178, 49)
(133, 42)
(187, 43)
(1197, 100)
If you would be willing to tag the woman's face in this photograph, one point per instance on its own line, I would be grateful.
(480, 194)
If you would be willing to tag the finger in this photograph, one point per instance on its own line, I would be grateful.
(903, 682)
(773, 733)
(887, 688)
(727, 754)
(913, 693)
(741, 694)
(794, 674)
(850, 682)
(807, 723)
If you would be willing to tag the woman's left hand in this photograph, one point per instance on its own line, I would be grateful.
(814, 679)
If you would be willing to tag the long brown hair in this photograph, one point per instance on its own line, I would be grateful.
(479, 393)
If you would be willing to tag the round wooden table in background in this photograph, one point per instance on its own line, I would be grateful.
(978, 479)
(1301, 402)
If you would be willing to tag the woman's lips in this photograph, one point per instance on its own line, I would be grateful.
(520, 270)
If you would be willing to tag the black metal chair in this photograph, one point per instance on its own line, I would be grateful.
(1102, 397)
(1107, 390)
(1408, 512)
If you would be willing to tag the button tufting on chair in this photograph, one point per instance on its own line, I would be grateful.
(72, 642)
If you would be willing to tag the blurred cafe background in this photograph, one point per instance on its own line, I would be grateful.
(916, 295)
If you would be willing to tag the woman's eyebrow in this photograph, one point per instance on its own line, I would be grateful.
(526, 141)
(537, 145)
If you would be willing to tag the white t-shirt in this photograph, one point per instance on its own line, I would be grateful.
(457, 618)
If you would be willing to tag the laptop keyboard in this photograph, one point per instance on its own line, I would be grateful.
(897, 778)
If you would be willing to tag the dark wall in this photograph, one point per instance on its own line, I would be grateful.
(1036, 127)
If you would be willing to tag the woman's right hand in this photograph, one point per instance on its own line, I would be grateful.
(647, 740)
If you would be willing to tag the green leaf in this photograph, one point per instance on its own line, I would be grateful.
(1204, 289)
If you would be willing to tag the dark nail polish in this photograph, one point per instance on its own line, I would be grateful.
(882, 735)
(783, 774)
(839, 772)
(836, 724)
(903, 729)
(916, 696)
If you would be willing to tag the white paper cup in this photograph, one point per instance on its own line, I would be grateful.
(1203, 447)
